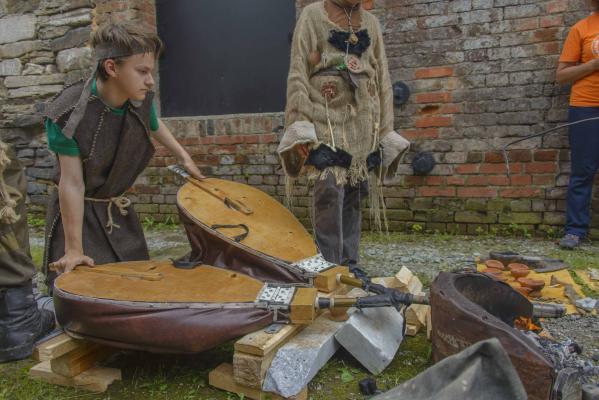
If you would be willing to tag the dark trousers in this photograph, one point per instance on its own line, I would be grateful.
(338, 219)
(584, 156)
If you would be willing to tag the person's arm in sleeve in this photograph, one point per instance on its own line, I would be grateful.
(569, 69)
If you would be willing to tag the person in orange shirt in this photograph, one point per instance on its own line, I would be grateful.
(579, 65)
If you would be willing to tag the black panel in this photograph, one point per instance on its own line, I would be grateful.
(224, 56)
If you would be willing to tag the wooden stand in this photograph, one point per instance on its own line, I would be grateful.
(70, 362)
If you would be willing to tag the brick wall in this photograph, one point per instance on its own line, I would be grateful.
(481, 74)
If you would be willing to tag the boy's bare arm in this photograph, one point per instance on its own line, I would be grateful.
(71, 193)
(164, 136)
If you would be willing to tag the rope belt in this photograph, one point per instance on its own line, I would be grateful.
(121, 202)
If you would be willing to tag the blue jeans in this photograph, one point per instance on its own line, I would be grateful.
(584, 159)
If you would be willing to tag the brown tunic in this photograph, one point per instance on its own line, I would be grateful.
(114, 150)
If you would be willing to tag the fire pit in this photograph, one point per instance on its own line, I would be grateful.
(470, 307)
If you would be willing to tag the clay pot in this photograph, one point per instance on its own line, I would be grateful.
(534, 284)
(517, 266)
(494, 264)
(519, 272)
(494, 273)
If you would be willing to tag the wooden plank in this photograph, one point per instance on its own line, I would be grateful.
(327, 281)
(429, 324)
(415, 286)
(81, 359)
(260, 343)
(56, 347)
(303, 309)
(96, 379)
(222, 378)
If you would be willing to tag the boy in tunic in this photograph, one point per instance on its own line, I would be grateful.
(339, 120)
(101, 130)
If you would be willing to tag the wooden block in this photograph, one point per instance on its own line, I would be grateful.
(303, 310)
(403, 278)
(387, 281)
(56, 347)
(429, 324)
(260, 343)
(414, 286)
(81, 359)
(416, 314)
(222, 378)
(327, 281)
(95, 379)
(412, 330)
(250, 370)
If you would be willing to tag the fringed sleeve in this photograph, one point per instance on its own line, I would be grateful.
(299, 128)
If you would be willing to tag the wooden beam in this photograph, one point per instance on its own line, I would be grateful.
(95, 379)
(81, 359)
(327, 281)
(56, 347)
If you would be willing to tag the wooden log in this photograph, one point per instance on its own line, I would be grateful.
(416, 314)
(412, 330)
(81, 359)
(96, 379)
(429, 324)
(403, 278)
(222, 378)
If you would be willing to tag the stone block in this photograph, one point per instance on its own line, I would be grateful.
(13, 50)
(298, 361)
(33, 69)
(372, 336)
(30, 91)
(12, 82)
(10, 67)
(17, 27)
(72, 59)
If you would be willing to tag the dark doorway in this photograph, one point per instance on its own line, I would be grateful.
(224, 56)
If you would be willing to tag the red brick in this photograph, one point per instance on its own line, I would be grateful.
(229, 139)
(207, 140)
(552, 20)
(541, 167)
(430, 133)
(428, 122)
(548, 48)
(521, 180)
(434, 180)
(477, 192)
(456, 180)
(436, 192)
(492, 168)
(546, 155)
(546, 35)
(433, 97)
(269, 138)
(437, 72)
(414, 180)
(467, 168)
(477, 180)
(499, 180)
(521, 192)
(251, 139)
(543, 180)
(557, 6)
(521, 155)
(223, 149)
(494, 157)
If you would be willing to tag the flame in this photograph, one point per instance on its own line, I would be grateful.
(526, 324)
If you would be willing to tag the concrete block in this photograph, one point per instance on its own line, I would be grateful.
(298, 361)
(372, 336)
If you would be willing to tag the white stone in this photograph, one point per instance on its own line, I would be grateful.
(33, 69)
(17, 27)
(298, 361)
(12, 82)
(10, 67)
(13, 50)
(71, 18)
(372, 336)
(71, 59)
(29, 91)
(51, 69)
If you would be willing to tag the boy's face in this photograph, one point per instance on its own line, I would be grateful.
(134, 75)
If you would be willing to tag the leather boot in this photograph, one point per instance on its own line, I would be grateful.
(21, 323)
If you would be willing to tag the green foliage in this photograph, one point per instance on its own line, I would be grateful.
(149, 223)
(416, 228)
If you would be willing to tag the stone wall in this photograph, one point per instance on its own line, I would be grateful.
(481, 74)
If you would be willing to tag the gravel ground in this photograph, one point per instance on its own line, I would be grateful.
(427, 255)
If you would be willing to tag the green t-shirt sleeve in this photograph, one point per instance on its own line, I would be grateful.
(153, 119)
(58, 142)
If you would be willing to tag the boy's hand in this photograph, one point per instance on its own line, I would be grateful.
(192, 169)
(69, 261)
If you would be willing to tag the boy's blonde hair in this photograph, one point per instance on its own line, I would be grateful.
(128, 37)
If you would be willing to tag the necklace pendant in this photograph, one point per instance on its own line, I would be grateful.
(353, 39)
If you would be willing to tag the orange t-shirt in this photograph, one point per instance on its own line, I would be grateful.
(581, 46)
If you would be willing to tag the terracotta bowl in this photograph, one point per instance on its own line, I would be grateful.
(495, 264)
(517, 266)
(534, 284)
(494, 273)
(519, 272)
